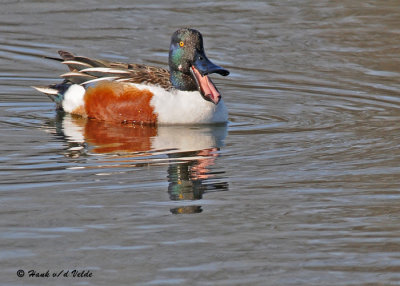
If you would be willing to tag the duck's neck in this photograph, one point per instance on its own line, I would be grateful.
(183, 81)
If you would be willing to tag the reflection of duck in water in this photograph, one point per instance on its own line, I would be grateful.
(191, 151)
(188, 180)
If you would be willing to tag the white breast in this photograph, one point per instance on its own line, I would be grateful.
(185, 107)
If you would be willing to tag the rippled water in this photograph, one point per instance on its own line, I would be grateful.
(301, 188)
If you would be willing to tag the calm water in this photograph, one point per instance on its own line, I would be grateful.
(301, 188)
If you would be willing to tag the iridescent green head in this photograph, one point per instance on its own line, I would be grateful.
(189, 66)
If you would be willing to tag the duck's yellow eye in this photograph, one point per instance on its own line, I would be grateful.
(181, 43)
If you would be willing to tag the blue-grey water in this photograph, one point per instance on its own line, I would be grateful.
(301, 188)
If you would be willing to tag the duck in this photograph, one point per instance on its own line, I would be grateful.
(144, 94)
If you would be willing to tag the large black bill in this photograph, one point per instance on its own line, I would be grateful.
(205, 66)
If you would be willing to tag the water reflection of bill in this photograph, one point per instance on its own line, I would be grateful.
(189, 151)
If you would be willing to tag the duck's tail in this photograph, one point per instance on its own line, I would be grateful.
(55, 92)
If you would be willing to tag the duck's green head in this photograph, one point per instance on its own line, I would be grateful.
(189, 66)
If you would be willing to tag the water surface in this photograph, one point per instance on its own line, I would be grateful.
(301, 188)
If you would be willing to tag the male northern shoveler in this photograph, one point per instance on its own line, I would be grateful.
(121, 92)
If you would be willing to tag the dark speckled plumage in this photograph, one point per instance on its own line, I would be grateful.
(81, 71)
